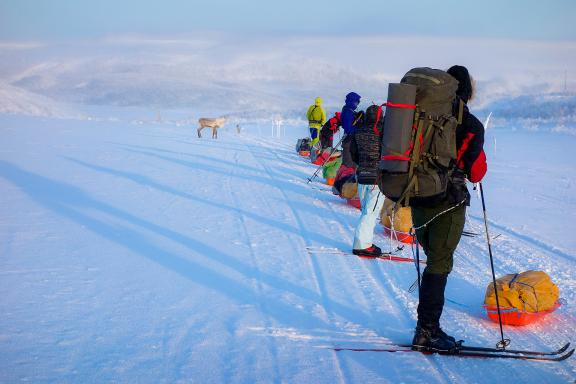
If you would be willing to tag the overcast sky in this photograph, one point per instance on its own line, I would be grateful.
(71, 19)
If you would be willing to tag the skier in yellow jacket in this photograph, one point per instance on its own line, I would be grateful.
(316, 118)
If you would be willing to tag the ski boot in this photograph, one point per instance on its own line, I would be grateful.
(372, 251)
(444, 335)
(434, 340)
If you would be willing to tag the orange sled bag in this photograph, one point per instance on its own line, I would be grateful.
(402, 222)
(524, 297)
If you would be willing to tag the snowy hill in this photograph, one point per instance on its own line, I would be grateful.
(258, 78)
(140, 253)
(165, 83)
(15, 100)
(550, 112)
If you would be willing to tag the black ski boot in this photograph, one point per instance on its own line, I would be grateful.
(444, 335)
(372, 251)
(429, 335)
(430, 340)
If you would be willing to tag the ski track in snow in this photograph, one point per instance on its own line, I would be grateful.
(147, 255)
(326, 310)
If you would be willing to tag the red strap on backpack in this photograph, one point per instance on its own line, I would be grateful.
(392, 105)
(395, 105)
(378, 114)
(405, 155)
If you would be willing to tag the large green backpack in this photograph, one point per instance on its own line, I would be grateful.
(419, 139)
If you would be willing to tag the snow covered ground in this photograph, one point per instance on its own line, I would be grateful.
(140, 253)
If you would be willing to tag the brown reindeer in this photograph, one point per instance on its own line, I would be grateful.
(211, 123)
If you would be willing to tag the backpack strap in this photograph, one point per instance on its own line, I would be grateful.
(359, 116)
(419, 120)
(314, 121)
(461, 105)
(404, 199)
(432, 125)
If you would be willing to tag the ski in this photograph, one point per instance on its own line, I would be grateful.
(464, 353)
(391, 257)
(385, 256)
(511, 351)
(350, 349)
(474, 234)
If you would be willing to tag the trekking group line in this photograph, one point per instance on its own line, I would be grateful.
(417, 150)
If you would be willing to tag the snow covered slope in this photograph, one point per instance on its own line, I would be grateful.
(140, 253)
(275, 74)
(17, 101)
(539, 112)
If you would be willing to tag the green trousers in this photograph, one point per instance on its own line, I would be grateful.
(441, 236)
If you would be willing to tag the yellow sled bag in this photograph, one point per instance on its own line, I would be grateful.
(530, 291)
(349, 190)
(402, 218)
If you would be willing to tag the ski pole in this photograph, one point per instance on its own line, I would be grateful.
(325, 160)
(416, 253)
(503, 343)
(418, 263)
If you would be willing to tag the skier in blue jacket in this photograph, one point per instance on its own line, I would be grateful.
(349, 112)
(349, 118)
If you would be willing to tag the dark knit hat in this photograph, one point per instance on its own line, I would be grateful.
(461, 74)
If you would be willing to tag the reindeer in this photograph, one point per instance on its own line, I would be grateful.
(211, 123)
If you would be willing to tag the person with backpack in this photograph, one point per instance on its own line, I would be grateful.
(328, 131)
(365, 152)
(441, 234)
(350, 119)
(431, 145)
(316, 118)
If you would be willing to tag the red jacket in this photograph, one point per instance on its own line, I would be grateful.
(471, 158)
(334, 122)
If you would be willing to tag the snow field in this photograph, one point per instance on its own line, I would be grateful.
(140, 253)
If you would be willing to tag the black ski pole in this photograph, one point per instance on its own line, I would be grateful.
(503, 343)
(325, 160)
(417, 262)
(416, 253)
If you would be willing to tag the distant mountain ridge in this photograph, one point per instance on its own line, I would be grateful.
(246, 85)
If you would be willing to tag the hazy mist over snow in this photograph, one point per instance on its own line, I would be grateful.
(277, 74)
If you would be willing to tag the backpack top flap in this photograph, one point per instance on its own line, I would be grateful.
(436, 90)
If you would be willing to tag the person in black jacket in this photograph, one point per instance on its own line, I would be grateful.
(328, 131)
(441, 225)
(365, 152)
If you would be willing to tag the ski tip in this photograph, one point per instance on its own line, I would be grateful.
(564, 348)
(564, 357)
